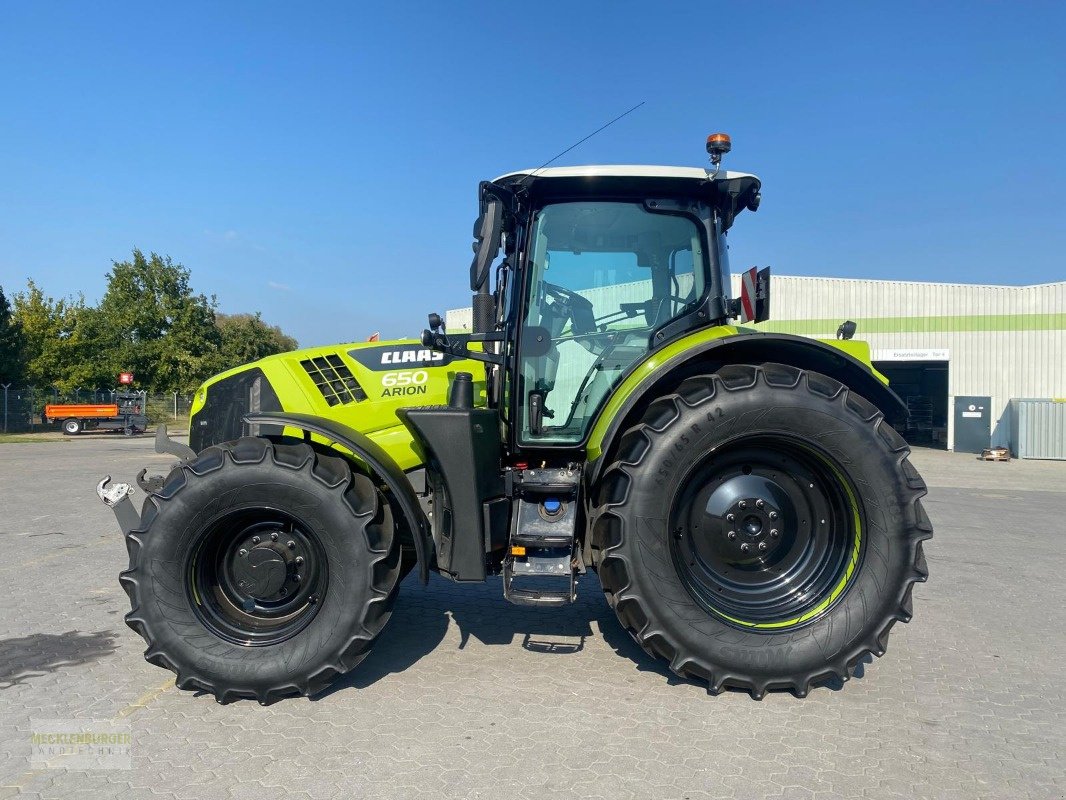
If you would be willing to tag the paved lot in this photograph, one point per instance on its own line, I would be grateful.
(467, 696)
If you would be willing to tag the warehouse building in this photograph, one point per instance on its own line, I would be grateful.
(957, 354)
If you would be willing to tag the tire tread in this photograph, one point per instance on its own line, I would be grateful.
(371, 518)
(624, 469)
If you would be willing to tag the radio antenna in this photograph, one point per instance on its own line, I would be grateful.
(582, 141)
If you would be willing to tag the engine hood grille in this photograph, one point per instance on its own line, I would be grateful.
(334, 380)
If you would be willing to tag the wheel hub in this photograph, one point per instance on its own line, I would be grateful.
(258, 577)
(263, 572)
(762, 532)
(752, 525)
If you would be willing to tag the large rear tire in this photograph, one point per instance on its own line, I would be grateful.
(261, 570)
(761, 528)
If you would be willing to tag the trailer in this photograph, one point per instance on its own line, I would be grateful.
(126, 415)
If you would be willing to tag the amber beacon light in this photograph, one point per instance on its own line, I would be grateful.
(718, 144)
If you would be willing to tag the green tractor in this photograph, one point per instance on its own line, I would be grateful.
(751, 515)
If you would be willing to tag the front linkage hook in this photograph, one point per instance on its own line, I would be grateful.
(117, 498)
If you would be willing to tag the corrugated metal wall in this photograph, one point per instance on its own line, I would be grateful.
(458, 320)
(1038, 428)
(1002, 341)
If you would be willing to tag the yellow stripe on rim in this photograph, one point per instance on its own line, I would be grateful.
(838, 589)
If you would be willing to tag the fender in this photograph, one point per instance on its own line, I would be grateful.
(746, 348)
(379, 462)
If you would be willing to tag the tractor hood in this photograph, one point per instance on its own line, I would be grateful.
(359, 384)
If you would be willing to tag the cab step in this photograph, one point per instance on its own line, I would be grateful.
(541, 567)
(538, 569)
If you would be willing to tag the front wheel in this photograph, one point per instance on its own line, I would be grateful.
(72, 427)
(262, 570)
(761, 528)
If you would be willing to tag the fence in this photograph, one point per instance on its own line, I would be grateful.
(22, 408)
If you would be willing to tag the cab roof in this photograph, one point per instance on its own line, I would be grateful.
(730, 192)
(622, 171)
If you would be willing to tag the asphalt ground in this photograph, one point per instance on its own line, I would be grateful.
(465, 695)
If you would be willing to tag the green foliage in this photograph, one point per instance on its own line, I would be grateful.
(51, 338)
(150, 321)
(11, 343)
(246, 338)
(156, 326)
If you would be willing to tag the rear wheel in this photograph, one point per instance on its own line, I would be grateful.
(72, 427)
(262, 570)
(761, 528)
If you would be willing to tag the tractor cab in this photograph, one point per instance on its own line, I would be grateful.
(612, 263)
(602, 266)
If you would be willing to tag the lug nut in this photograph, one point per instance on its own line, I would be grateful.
(759, 503)
(742, 504)
(292, 544)
(745, 547)
(242, 553)
(762, 546)
(256, 540)
(299, 560)
(773, 515)
(297, 578)
(273, 537)
(730, 517)
(774, 533)
(731, 535)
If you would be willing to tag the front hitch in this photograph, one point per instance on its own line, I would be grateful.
(117, 498)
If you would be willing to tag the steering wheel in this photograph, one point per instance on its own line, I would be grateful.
(568, 304)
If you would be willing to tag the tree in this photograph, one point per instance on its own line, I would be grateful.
(50, 341)
(246, 338)
(11, 343)
(156, 326)
(149, 321)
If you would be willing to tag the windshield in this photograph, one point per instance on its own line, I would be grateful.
(603, 276)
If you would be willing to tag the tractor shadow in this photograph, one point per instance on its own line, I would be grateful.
(422, 617)
(40, 653)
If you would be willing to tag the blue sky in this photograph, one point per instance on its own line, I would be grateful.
(319, 162)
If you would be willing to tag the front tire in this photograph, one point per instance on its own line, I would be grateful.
(761, 528)
(261, 570)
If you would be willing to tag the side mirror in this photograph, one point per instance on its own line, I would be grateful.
(435, 338)
(488, 231)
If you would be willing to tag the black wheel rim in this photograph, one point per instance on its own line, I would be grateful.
(257, 576)
(767, 533)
